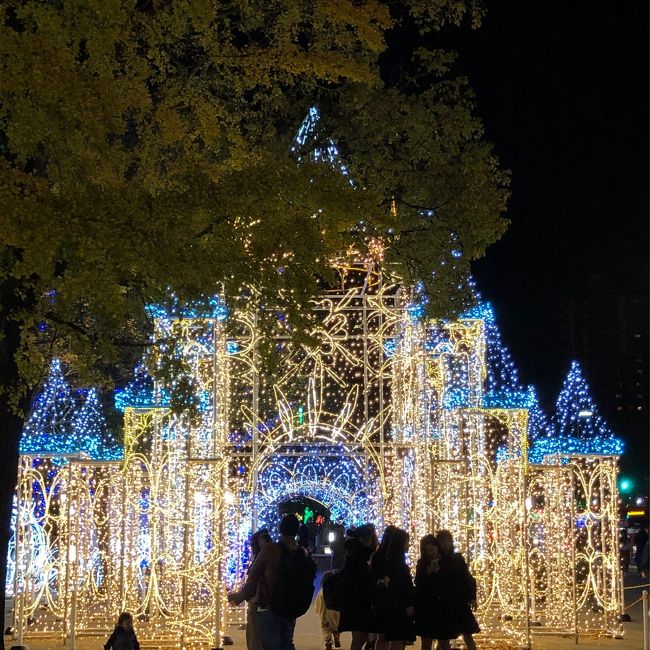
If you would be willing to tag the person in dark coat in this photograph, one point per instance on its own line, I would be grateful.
(356, 613)
(123, 637)
(303, 537)
(337, 545)
(641, 542)
(392, 591)
(258, 540)
(429, 619)
(458, 592)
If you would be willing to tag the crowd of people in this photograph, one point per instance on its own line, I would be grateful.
(373, 596)
(383, 607)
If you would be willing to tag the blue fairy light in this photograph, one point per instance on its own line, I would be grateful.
(58, 426)
(326, 151)
(568, 445)
(538, 422)
(576, 414)
(209, 308)
(390, 345)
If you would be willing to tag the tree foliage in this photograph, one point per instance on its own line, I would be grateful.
(146, 151)
(145, 159)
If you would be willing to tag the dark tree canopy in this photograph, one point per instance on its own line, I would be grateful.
(146, 150)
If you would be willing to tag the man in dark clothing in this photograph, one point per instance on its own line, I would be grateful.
(276, 632)
(641, 555)
(356, 613)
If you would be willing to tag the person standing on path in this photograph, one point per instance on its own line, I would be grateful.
(258, 540)
(337, 546)
(282, 581)
(641, 542)
(356, 614)
(393, 594)
(329, 616)
(123, 637)
(431, 583)
(459, 595)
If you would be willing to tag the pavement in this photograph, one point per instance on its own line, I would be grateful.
(307, 636)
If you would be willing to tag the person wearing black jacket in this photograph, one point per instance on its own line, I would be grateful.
(393, 594)
(123, 637)
(458, 592)
(433, 583)
(641, 555)
(258, 540)
(430, 582)
(356, 613)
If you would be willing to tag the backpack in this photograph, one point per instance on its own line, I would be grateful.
(334, 591)
(294, 588)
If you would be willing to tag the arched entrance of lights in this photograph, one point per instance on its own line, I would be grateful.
(334, 455)
(333, 465)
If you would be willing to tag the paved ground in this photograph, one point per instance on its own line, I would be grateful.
(308, 634)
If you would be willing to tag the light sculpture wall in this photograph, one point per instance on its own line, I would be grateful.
(389, 418)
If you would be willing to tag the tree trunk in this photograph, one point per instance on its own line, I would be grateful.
(11, 425)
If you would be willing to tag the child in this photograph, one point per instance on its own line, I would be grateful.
(329, 618)
(123, 637)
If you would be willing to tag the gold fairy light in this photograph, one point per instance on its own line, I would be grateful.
(385, 420)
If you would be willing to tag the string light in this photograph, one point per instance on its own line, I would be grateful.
(538, 423)
(90, 434)
(576, 414)
(59, 426)
(388, 420)
(211, 308)
(320, 149)
(391, 418)
(576, 427)
(51, 412)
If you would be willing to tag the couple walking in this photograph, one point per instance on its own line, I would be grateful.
(382, 606)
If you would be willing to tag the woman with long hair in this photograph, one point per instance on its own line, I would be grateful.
(123, 637)
(430, 583)
(356, 612)
(393, 594)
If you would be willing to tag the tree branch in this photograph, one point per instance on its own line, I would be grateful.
(116, 340)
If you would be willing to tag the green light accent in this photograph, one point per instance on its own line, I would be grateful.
(625, 485)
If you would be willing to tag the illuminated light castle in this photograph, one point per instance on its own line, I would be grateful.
(389, 418)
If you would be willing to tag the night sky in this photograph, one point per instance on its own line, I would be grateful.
(562, 88)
